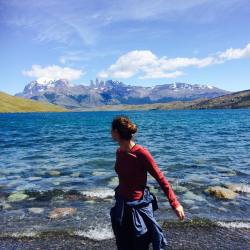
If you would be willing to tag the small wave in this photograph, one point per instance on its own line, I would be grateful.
(113, 182)
(94, 233)
(240, 188)
(100, 173)
(206, 222)
(97, 234)
(234, 224)
(99, 193)
(19, 234)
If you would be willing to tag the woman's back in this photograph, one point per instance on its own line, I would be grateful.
(132, 175)
(132, 168)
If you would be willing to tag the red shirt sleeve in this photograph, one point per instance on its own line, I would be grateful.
(154, 170)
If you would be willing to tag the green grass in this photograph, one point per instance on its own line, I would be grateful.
(12, 104)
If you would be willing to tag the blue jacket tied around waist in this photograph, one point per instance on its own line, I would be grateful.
(143, 220)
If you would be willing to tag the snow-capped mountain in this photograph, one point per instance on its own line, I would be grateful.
(63, 93)
(42, 85)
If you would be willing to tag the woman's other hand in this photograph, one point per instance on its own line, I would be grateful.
(180, 212)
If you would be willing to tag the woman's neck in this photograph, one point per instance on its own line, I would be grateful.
(126, 145)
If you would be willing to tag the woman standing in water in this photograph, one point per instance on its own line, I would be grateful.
(132, 217)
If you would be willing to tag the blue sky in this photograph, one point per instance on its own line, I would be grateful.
(137, 42)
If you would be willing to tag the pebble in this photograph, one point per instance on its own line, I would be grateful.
(61, 212)
(77, 174)
(36, 210)
(54, 173)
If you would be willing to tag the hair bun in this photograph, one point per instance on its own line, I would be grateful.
(132, 128)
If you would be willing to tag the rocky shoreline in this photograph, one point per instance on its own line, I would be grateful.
(192, 235)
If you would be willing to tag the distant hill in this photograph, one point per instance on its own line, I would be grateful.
(9, 103)
(65, 94)
(235, 100)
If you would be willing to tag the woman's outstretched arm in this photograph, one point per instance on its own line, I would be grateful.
(155, 171)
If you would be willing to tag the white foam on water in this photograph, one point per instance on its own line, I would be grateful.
(234, 224)
(238, 187)
(113, 182)
(21, 234)
(99, 193)
(94, 233)
(192, 196)
(98, 234)
(100, 173)
(244, 188)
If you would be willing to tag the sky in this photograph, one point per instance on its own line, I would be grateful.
(142, 42)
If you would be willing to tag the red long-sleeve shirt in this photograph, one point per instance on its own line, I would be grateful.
(132, 168)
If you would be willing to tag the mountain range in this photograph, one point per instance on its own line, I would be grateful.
(235, 100)
(61, 92)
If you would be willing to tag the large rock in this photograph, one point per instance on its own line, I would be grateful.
(221, 192)
(17, 196)
(60, 212)
(43, 195)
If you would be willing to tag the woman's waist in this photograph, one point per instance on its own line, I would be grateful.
(143, 199)
(130, 194)
(135, 194)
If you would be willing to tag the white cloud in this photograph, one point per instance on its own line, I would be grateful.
(53, 72)
(160, 74)
(147, 63)
(236, 53)
(181, 62)
(129, 64)
(150, 66)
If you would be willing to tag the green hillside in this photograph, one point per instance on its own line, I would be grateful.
(11, 104)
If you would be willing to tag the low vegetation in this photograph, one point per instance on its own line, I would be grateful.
(12, 104)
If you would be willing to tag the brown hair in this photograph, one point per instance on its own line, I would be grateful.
(124, 126)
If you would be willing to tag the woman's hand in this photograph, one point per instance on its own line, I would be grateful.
(180, 212)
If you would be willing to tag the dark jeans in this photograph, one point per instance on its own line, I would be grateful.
(126, 240)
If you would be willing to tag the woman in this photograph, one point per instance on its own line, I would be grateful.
(132, 216)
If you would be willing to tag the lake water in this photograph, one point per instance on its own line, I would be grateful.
(67, 160)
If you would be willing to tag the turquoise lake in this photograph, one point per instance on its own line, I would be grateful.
(67, 160)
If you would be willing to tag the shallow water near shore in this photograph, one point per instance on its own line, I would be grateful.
(51, 160)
